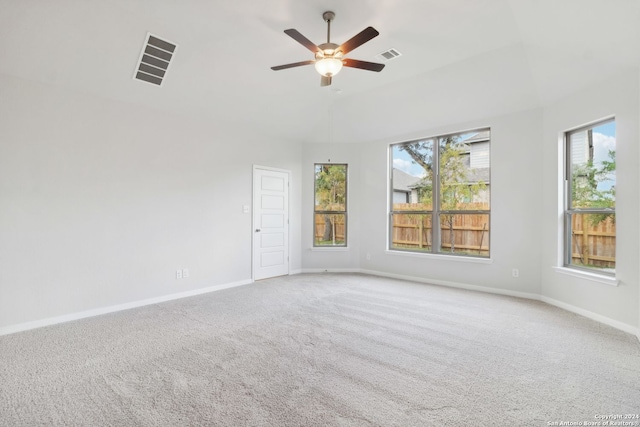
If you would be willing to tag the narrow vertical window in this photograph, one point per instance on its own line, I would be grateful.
(330, 205)
(590, 198)
(442, 181)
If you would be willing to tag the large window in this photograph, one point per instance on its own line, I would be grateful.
(590, 198)
(444, 181)
(330, 205)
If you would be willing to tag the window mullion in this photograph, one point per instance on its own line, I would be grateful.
(568, 173)
(435, 217)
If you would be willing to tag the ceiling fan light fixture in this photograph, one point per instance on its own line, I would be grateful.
(328, 67)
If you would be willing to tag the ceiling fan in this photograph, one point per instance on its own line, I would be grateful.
(329, 57)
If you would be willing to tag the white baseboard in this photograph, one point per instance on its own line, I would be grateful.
(331, 270)
(593, 316)
(449, 284)
(12, 329)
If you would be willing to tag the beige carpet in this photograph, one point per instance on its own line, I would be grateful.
(322, 350)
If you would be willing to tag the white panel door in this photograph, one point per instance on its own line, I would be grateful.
(270, 223)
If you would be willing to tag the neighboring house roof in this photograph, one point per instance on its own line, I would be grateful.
(480, 174)
(402, 181)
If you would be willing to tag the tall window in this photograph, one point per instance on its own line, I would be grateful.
(590, 198)
(444, 181)
(330, 205)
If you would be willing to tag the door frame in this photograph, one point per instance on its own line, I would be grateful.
(253, 208)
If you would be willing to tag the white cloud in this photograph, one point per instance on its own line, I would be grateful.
(409, 167)
(601, 146)
(403, 165)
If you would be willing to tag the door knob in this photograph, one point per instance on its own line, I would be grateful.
(257, 230)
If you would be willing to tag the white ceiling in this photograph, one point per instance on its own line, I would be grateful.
(461, 59)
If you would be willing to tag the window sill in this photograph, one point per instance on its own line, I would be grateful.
(329, 249)
(599, 278)
(441, 257)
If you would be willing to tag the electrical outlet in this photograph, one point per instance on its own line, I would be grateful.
(185, 273)
(515, 272)
(179, 273)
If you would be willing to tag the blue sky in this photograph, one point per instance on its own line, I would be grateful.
(402, 161)
(608, 129)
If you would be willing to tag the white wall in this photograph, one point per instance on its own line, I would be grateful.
(101, 201)
(515, 193)
(617, 96)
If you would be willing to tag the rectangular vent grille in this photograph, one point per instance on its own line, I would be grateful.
(388, 55)
(154, 60)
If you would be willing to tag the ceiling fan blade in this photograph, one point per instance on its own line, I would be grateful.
(295, 64)
(325, 81)
(294, 34)
(358, 40)
(363, 65)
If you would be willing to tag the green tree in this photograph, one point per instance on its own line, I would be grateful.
(330, 196)
(585, 180)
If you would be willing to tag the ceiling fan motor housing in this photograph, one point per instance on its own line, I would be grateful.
(328, 49)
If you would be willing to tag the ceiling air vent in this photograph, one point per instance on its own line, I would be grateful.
(387, 55)
(154, 60)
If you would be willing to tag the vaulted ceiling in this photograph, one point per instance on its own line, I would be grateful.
(461, 59)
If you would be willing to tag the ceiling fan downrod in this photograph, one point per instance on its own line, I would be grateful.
(328, 16)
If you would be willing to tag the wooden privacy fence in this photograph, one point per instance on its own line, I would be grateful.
(593, 244)
(320, 226)
(468, 232)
